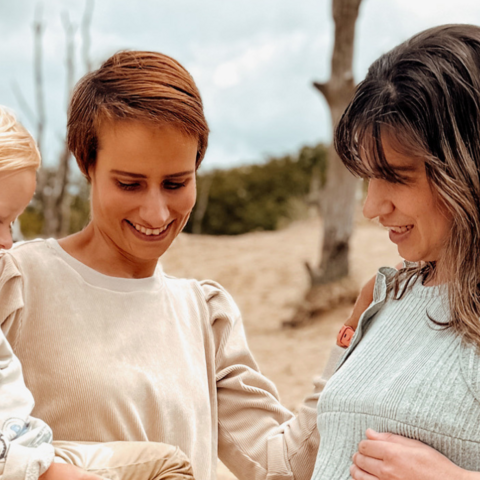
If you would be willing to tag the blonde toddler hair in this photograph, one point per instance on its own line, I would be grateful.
(17, 147)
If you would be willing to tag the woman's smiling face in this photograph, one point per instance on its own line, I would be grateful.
(143, 186)
(417, 222)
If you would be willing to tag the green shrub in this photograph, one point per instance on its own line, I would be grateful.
(258, 197)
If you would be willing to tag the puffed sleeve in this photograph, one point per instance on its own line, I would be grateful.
(25, 452)
(258, 437)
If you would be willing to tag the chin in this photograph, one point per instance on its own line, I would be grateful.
(144, 253)
(409, 257)
(151, 253)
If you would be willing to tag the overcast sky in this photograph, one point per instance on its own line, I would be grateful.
(254, 60)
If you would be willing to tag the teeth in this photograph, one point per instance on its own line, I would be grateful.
(149, 231)
(400, 229)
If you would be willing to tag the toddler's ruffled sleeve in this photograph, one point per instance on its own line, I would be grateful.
(25, 450)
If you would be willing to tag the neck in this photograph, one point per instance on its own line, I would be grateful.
(96, 250)
(437, 277)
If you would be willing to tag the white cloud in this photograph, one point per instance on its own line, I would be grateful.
(226, 75)
(257, 59)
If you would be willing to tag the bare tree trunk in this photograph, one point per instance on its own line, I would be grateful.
(86, 23)
(338, 198)
(329, 282)
(38, 29)
(52, 187)
(56, 213)
(43, 188)
(57, 203)
(202, 204)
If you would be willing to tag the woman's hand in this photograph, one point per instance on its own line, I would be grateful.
(64, 471)
(384, 456)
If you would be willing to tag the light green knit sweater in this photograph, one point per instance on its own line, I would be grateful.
(403, 375)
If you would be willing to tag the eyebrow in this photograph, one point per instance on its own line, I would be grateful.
(141, 176)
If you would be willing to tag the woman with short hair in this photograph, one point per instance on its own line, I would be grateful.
(26, 448)
(99, 328)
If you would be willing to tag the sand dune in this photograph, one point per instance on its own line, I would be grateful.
(265, 273)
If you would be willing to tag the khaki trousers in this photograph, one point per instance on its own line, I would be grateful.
(126, 460)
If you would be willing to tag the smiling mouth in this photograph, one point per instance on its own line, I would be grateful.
(149, 232)
(399, 229)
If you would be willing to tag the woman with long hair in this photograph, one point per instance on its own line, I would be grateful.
(410, 378)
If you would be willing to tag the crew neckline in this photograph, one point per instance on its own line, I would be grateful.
(93, 277)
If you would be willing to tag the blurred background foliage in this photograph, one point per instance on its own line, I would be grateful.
(32, 221)
(230, 202)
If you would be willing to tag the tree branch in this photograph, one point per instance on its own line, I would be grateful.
(69, 29)
(323, 89)
(38, 29)
(86, 24)
(22, 103)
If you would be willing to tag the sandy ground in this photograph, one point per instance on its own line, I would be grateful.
(265, 273)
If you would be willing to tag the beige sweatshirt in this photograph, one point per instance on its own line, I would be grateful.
(159, 359)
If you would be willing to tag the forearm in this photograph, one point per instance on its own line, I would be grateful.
(291, 443)
(258, 437)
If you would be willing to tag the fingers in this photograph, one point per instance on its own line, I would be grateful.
(392, 438)
(374, 449)
(359, 474)
(368, 464)
(373, 435)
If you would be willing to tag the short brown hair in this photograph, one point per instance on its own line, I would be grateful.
(134, 85)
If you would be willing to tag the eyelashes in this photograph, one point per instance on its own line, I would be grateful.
(127, 186)
(174, 185)
(135, 186)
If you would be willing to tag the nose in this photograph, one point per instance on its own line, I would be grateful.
(6, 241)
(155, 211)
(378, 202)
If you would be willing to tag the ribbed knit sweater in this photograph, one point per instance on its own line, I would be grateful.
(404, 375)
(159, 359)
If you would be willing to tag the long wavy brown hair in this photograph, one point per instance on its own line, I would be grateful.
(425, 96)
